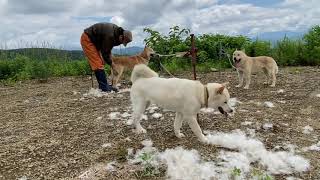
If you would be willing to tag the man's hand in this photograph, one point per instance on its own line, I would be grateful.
(107, 58)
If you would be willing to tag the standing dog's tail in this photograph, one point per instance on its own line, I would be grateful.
(142, 71)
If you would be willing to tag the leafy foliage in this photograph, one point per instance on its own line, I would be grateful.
(212, 50)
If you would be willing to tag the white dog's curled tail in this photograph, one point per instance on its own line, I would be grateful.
(142, 71)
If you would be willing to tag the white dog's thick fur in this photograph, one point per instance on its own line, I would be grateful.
(246, 65)
(183, 96)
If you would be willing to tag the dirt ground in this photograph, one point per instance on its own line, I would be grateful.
(51, 131)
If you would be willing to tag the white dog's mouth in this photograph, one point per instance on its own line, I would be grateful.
(238, 61)
(223, 112)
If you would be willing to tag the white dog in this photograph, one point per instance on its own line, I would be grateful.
(246, 65)
(183, 96)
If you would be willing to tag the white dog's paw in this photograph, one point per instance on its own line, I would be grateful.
(246, 87)
(140, 131)
(265, 83)
(204, 140)
(239, 85)
(272, 85)
(180, 135)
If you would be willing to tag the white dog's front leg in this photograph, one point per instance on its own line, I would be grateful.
(192, 121)
(138, 110)
(177, 125)
(240, 75)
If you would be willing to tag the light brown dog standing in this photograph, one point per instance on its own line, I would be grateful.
(119, 64)
(246, 65)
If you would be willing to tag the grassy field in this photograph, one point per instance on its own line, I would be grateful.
(58, 130)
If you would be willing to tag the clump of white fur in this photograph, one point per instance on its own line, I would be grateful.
(276, 162)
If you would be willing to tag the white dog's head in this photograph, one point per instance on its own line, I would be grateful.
(219, 97)
(238, 57)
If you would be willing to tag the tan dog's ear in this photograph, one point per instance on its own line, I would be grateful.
(220, 90)
(243, 50)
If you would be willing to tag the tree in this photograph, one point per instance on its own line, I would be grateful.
(312, 40)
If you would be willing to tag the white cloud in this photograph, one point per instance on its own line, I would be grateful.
(61, 22)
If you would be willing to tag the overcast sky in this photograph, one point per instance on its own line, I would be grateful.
(60, 23)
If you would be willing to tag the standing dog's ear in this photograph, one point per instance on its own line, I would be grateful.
(220, 90)
(243, 50)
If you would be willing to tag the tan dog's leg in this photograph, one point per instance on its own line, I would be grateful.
(192, 121)
(274, 79)
(177, 125)
(119, 74)
(267, 76)
(114, 73)
(240, 75)
(247, 76)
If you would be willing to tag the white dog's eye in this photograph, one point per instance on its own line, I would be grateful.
(226, 102)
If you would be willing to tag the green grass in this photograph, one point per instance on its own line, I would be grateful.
(23, 68)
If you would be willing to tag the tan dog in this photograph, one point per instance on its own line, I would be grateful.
(183, 96)
(246, 65)
(119, 64)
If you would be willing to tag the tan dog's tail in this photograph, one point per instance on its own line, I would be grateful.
(277, 69)
(142, 71)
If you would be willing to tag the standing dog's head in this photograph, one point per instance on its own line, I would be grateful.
(219, 97)
(238, 57)
(148, 52)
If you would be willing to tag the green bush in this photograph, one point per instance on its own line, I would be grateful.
(312, 46)
(212, 48)
(23, 68)
(288, 52)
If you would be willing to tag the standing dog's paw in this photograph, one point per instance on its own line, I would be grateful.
(180, 135)
(239, 85)
(272, 85)
(246, 87)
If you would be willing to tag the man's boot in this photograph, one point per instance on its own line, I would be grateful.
(102, 81)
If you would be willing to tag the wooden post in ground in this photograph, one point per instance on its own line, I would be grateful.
(193, 52)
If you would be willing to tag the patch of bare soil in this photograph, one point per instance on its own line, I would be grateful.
(51, 131)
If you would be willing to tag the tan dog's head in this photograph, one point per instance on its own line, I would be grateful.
(238, 57)
(148, 52)
(219, 97)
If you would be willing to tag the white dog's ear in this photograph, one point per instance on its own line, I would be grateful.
(243, 50)
(220, 90)
(226, 84)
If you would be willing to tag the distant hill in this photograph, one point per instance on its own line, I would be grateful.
(42, 53)
(127, 51)
(47, 53)
(273, 37)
